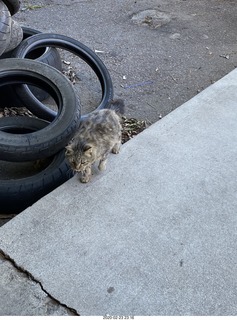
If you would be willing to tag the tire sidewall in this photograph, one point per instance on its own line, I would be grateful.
(12, 5)
(17, 194)
(78, 49)
(5, 27)
(57, 134)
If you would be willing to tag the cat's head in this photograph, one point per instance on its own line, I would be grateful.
(80, 157)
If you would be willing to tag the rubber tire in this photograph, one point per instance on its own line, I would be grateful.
(75, 47)
(54, 137)
(12, 5)
(16, 36)
(5, 27)
(46, 55)
(18, 194)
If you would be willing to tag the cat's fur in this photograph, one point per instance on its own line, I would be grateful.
(98, 134)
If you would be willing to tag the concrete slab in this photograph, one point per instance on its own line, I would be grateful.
(156, 233)
(21, 296)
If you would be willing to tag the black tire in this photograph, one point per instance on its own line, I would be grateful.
(48, 55)
(75, 47)
(5, 27)
(12, 5)
(22, 124)
(54, 137)
(18, 194)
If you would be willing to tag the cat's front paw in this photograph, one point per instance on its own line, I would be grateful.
(85, 179)
(86, 175)
(116, 148)
(102, 165)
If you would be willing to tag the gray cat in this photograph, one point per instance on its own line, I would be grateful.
(98, 134)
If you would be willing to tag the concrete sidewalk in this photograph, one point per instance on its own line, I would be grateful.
(156, 233)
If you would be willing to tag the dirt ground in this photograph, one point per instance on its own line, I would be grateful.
(160, 53)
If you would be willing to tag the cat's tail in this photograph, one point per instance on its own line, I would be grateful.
(118, 106)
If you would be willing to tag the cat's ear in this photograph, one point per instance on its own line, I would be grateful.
(69, 150)
(87, 150)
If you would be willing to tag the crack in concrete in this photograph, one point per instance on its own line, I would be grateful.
(32, 278)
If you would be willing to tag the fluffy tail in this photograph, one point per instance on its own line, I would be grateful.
(117, 105)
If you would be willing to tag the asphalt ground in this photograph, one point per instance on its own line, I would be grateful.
(159, 53)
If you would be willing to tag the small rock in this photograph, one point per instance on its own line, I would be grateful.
(66, 62)
(175, 36)
(226, 56)
(152, 18)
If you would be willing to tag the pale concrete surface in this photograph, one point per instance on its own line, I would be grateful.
(153, 235)
(20, 296)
